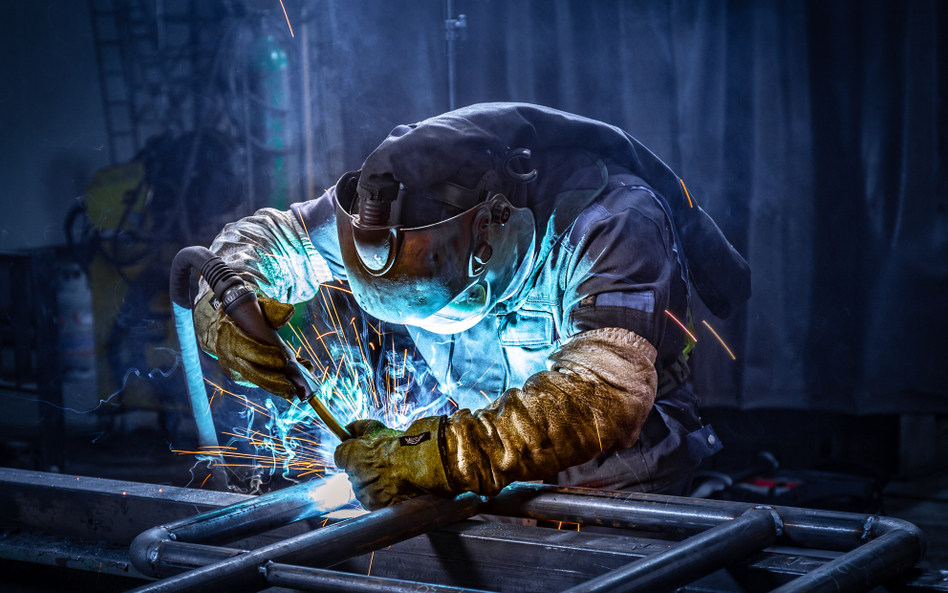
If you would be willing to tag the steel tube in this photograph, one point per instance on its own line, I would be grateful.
(647, 512)
(326, 546)
(330, 581)
(805, 528)
(863, 568)
(692, 559)
(250, 517)
(265, 512)
(171, 558)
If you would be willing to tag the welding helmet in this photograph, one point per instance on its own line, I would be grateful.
(438, 257)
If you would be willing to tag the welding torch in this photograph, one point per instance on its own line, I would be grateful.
(239, 302)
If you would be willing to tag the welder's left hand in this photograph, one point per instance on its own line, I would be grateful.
(386, 466)
(595, 398)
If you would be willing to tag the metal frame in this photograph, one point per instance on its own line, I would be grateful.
(189, 553)
(722, 533)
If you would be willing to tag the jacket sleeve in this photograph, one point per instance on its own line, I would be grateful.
(630, 286)
(595, 397)
(271, 250)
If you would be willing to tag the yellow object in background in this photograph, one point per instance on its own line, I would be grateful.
(113, 191)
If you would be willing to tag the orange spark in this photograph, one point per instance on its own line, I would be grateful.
(719, 339)
(302, 338)
(690, 205)
(371, 558)
(682, 326)
(213, 384)
(205, 481)
(378, 331)
(339, 288)
(287, 20)
(302, 222)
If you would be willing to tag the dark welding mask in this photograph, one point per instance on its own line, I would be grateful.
(439, 258)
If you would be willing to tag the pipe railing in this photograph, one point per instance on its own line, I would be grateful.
(717, 534)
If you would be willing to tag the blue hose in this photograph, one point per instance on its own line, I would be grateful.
(219, 276)
(194, 377)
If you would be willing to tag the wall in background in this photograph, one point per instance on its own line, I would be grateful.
(53, 134)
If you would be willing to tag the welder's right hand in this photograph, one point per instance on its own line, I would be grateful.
(246, 359)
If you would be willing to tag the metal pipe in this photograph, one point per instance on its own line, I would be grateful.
(692, 559)
(250, 517)
(624, 510)
(863, 568)
(454, 29)
(176, 557)
(325, 546)
(805, 528)
(331, 581)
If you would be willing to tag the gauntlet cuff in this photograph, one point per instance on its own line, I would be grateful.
(426, 437)
(595, 398)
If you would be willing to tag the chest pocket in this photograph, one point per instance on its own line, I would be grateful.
(527, 329)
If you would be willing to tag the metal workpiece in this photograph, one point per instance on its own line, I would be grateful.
(98, 508)
(471, 554)
(624, 510)
(169, 558)
(839, 531)
(85, 524)
(698, 556)
(330, 581)
(863, 568)
(680, 516)
(250, 517)
(474, 554)
(256, 515)
(326, 546)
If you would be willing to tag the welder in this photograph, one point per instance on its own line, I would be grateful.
(539, 258)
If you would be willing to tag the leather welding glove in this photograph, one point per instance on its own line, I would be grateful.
(247, 360)
(595, 397)
(386, 466)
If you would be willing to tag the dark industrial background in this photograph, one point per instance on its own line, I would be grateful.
(814, 133)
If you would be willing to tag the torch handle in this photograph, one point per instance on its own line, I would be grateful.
(250, 318)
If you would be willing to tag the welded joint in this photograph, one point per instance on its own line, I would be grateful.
(144, 553)
(867, 527)
(778, 520)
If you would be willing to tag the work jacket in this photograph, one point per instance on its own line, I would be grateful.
(606, 254)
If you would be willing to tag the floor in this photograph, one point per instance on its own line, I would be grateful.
(924, 502)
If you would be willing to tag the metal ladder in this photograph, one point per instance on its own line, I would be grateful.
(147, 60)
